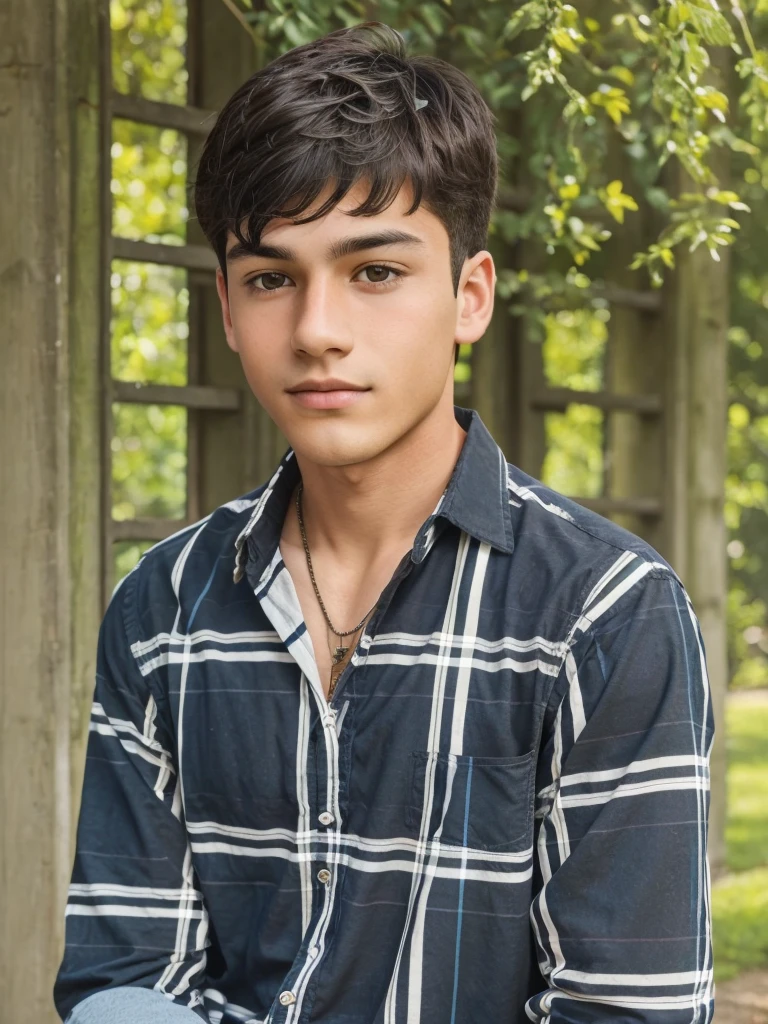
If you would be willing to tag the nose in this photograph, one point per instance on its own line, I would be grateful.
(322, 323)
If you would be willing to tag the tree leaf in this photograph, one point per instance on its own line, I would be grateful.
(711, 25)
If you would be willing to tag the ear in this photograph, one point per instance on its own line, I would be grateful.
(226, 314)
(474, 305)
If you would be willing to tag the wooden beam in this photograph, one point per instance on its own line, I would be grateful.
(633, 298)
(606, 506)
(512, 198)
(558, 399)
(146, 529)
(191, 396)
(191, 257)
(190, 120)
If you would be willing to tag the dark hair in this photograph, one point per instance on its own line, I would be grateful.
(341, 109)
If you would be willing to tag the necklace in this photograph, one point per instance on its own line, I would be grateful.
(340, 650)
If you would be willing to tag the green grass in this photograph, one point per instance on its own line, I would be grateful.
(740, 916)
(740, 900)
(746, 832)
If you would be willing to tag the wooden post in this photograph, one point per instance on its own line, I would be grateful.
(696, 466)
(49, 471)
(697, 319)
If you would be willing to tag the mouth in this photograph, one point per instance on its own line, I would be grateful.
(330, 384)
(328, 398)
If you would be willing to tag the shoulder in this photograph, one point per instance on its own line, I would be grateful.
(590, 561)
(540, 508)
(153, 593)
(632, 641)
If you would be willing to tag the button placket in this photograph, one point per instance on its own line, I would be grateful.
(327, 737)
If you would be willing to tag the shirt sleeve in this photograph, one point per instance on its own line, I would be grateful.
(621, 918)
(135, 916)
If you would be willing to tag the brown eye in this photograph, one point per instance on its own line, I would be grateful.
(380, 274)
(268, 281)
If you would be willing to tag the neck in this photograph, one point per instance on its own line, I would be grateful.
(361, 512)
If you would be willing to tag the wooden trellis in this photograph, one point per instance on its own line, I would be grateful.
(230, 442)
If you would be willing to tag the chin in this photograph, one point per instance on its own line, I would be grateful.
(337, 454)
(336, 444)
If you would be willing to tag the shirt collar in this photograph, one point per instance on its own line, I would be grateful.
(476, 500)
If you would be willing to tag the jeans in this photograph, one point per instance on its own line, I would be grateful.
(128, 1005)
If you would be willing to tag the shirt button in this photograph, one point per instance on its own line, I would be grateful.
(324, 875)
(286, 998)
(326, 818)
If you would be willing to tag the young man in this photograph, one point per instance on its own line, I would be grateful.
(401, 736)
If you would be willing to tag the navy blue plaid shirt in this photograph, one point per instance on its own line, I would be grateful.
(499, 817)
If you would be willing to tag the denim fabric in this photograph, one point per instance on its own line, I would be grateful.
(128, 1005)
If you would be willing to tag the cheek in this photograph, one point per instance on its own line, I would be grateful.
(421, 333)
(256, 335)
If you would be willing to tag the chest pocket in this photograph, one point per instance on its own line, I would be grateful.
(481, 802)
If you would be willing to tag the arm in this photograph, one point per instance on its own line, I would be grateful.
(134, 917)
(621, 919)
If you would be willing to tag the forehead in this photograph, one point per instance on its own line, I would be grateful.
(339, 218)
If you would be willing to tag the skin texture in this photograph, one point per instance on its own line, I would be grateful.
(372, 471)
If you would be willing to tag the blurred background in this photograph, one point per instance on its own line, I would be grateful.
(626, 365)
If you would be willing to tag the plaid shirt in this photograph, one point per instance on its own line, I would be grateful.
(499, 817)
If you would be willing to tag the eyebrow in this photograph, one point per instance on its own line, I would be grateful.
(335, 251)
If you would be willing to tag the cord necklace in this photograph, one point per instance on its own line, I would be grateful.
(339, 651)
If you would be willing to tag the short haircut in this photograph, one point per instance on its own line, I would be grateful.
(340, 110)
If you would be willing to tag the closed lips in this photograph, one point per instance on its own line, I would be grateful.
(326, 385)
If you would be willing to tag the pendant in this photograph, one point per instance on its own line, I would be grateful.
(338, 654)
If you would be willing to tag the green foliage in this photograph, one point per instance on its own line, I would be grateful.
(149, 461)
(573, 463)
(149, 48)
(574, 349)
(574, 355)
(747, 616)
(149, 170)
(149, 323)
